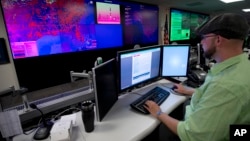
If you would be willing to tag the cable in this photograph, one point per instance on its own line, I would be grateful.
(30, 131)
(72, 108)
(52, 119)
(33, 129)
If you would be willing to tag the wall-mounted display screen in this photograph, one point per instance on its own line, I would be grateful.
(140, 24)
(4, 57)
(108, 13)
(37, 28)
(71, 34)
(183, 24)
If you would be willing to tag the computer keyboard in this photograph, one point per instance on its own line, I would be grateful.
(157, 95)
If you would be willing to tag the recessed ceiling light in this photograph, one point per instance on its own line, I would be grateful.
(230, 1)
(246, 10)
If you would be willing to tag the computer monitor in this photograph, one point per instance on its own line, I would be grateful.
(138, 66)
(175, 60)
(183, 24)
(105, 87)
(201, 61)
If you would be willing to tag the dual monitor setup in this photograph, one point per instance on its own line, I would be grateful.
(136, 67)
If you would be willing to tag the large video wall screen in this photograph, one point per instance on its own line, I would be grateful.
(46, 27)
(183, 24)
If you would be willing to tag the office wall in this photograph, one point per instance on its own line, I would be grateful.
(8, 75)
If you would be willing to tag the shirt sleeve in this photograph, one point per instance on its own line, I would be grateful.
(209, 116)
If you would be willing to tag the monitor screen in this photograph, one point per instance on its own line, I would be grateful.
(105, 87)
(108, 24)
(4, 57)
(108, 13)
(140, 24)
(138, 66)
(38, 28)
(175, 60)
(183, 24)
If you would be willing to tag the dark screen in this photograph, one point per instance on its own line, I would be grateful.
(140, 24)
(105, 84)
(4, 57)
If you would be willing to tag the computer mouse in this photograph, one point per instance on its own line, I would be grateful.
(174, 87)
(173, 90)
(42, 133)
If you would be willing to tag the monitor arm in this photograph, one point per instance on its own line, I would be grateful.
(89, 75)
(75, 75)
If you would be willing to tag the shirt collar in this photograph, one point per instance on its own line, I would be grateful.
(217, 68)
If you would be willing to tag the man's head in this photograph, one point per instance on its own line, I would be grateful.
(222, 34)
(227, 25)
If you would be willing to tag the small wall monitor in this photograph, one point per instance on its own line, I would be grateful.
(105, 87)
(175, 60)
(108, 13)
(138, 66)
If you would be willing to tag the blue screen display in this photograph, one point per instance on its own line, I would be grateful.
(109, 35)
(175, 60)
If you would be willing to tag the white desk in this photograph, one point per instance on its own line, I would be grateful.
(122, 123)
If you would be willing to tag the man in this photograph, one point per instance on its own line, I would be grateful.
(224, 98)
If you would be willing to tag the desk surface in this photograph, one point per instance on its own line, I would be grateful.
(121, 122)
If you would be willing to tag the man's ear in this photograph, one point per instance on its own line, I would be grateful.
(219, 40)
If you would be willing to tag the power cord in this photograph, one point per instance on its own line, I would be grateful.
(30, 131)
(59, 114)
(52, 119)
(33, 128)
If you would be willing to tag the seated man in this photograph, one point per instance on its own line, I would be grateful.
(223, 99)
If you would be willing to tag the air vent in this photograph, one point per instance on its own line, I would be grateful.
(195, 4)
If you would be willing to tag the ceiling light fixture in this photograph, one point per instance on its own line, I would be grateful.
(246, 10)
(230, 1)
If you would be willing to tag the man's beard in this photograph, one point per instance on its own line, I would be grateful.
(209, 53)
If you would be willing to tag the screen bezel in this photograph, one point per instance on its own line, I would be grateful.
(187, 69)
(108, 104)
(119, 53)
